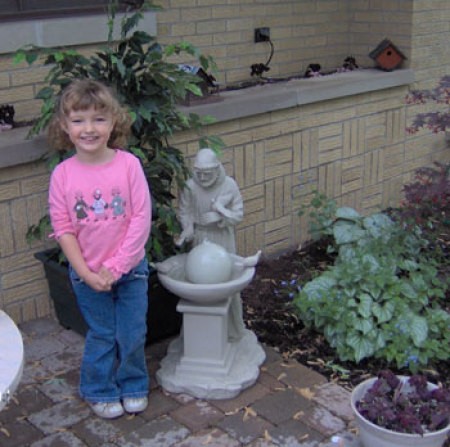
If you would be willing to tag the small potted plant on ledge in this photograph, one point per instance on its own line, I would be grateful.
(139, 70)
(396, 411)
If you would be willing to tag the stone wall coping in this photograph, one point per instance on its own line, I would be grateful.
(271, 97)
(15, 149)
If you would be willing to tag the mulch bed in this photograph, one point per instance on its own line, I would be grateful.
(270, 315)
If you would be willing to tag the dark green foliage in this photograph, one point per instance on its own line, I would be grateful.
(137, 68)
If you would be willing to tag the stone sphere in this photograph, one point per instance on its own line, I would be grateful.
(208, 263)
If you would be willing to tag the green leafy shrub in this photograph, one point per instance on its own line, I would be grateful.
(138, 68)
(381, 297)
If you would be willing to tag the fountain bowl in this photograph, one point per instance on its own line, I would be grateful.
(175, 281)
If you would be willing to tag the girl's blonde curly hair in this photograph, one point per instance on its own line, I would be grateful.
(82, 94)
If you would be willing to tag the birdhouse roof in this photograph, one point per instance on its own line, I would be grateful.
(383, 45)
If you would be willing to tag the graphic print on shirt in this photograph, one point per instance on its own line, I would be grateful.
(80, 207)
(99, 206)
(117, 203)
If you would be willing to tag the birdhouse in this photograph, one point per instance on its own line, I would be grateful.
(387, 56)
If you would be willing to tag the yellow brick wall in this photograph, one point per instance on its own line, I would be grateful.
(355, 149)
(352, 149)
(303, 32)
(23, 197)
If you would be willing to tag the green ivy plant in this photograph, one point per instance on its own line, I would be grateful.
(138, 68)
(381, 297)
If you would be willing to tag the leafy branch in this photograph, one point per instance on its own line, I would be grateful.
(139, 70)
(437, 121)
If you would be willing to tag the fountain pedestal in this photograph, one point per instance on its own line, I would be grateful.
(203, 362)
(206, 352)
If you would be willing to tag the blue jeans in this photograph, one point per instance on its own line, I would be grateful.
(114, 365)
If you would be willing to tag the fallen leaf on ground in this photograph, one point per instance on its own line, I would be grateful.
(248, 412)
(286, 365)
(207, 440)
(5, 432)
(306, 393)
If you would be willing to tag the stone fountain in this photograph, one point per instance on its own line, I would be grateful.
(203, 361)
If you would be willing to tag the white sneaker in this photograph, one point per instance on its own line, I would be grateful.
(107, 410)
(135, 404)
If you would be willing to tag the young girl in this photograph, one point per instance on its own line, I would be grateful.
(101, 215)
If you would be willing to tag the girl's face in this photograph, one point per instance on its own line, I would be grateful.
(89, 130)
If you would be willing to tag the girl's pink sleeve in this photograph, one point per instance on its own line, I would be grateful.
(132, 250)
(59, 214)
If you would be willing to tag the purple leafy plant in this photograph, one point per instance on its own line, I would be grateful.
(417, 409)
(437, 121)
(427, 204)
(427, 197)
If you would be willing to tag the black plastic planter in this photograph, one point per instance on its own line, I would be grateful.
(163, 320)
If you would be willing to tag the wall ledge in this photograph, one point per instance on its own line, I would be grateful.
(272, 97)
(15, 149)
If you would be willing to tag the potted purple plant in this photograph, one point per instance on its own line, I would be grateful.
(398, 411)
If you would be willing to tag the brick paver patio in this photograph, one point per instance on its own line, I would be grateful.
(289, 405)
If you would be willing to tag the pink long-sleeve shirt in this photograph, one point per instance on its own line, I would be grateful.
(106, 207)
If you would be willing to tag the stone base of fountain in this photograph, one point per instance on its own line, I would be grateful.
(243, 372)
(203, 363)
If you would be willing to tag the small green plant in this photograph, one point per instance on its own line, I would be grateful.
(321, 212)
(381, 297)
(138, 68)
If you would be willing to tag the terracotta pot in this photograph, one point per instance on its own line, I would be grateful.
(372, 435)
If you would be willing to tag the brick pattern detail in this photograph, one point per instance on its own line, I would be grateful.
(23, 197)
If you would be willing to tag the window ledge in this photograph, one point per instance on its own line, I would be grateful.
(64, 31)
(278, 96)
